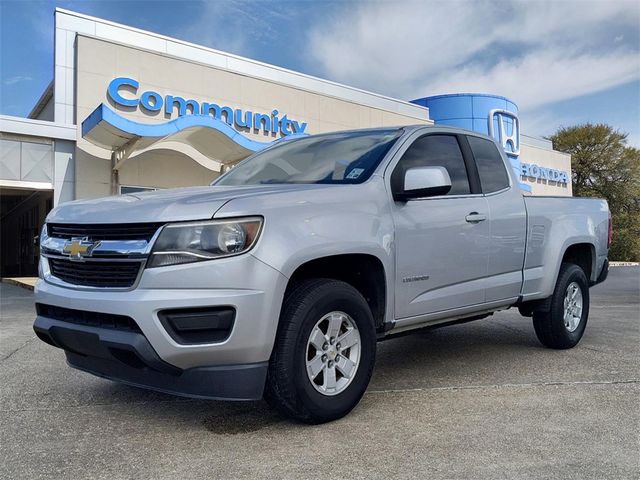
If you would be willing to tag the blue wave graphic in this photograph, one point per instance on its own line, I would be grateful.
(159, 130)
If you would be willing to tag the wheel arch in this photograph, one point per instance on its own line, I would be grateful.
(582, 254)
(579, 251)
(364, 271)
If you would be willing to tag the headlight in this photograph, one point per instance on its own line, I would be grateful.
(41, 240)
(194, 242)
(43, 235)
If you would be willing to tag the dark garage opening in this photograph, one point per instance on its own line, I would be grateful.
(22, 214)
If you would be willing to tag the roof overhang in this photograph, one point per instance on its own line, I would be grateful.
(210, 141)
(37, 128)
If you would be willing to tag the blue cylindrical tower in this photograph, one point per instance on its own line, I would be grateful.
(483, 113)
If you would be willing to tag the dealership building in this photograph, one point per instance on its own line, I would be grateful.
(129, 110)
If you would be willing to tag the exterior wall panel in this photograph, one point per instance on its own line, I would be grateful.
(26, 160)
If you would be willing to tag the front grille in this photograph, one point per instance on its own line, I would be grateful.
(120, 231)
(92, 319)
(95, 274)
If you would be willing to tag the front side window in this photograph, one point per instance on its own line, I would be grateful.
(493, 174)
(434, 151)
(336, 158)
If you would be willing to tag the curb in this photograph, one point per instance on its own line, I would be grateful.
(624, 264)
(18, 283)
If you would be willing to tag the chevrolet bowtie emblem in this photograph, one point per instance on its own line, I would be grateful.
(78, 248)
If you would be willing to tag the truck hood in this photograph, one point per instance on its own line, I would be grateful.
(178, 204)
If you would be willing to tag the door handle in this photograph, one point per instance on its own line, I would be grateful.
(475, 217)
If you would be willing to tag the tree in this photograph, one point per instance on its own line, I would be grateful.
(603, 165)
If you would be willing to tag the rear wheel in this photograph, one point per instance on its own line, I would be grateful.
(563, 325)
(324, 352)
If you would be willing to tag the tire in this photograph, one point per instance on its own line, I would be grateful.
(553, 329)
(290, 388)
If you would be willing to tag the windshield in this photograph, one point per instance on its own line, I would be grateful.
(338, 158)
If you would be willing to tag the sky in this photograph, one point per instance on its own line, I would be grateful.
(562, 62)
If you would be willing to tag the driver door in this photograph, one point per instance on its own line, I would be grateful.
(442, 242)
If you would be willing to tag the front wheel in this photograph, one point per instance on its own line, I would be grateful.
(324, 352)
(563, 325)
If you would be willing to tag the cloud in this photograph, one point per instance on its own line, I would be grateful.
(542, 77)
(236, 26)
(17, 79)
(536, 52)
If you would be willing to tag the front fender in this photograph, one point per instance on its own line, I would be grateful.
(307, 225)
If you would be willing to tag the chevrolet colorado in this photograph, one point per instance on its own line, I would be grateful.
(280, 277)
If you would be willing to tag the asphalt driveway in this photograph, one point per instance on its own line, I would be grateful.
(478, 400)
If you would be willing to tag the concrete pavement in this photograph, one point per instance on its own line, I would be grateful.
(478, 400)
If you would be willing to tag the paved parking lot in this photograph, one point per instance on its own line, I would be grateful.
(479, 400)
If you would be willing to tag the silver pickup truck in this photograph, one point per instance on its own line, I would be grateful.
(279, 279)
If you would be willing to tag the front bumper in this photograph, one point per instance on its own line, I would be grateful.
(128, 357)
(234, 368)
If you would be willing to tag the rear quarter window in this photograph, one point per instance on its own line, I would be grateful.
(491, 168)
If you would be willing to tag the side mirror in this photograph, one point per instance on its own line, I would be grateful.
(424, 182)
